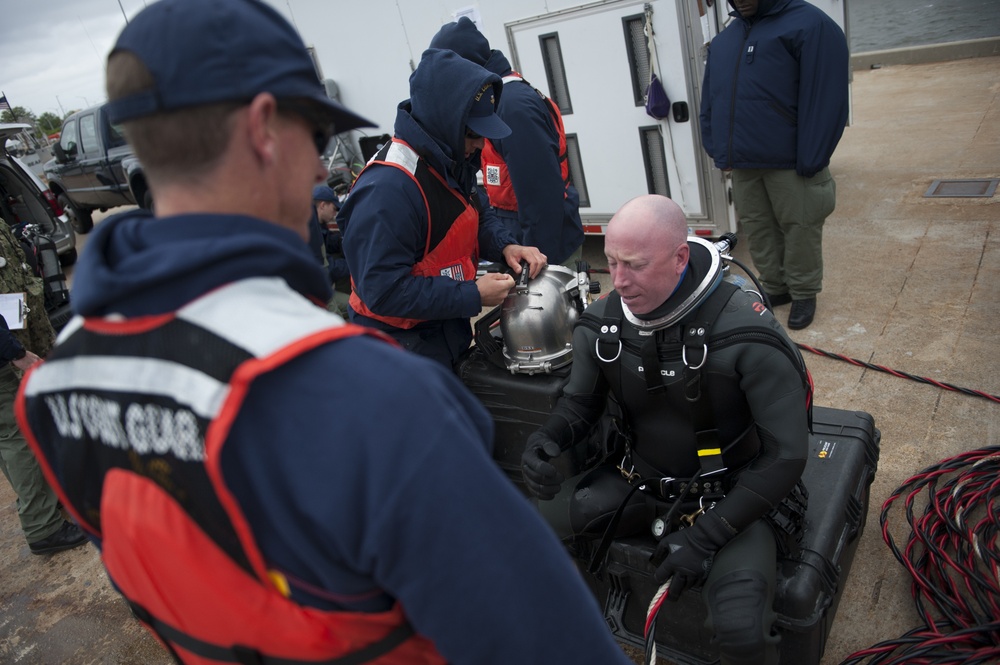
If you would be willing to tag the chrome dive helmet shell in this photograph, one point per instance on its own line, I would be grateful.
(537, 320)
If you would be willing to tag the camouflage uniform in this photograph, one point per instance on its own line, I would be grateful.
(37, 505)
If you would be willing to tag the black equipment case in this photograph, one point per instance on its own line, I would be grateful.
(519, 404)
(843, 457)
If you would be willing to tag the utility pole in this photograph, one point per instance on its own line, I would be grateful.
(62, 111)
(123, 10)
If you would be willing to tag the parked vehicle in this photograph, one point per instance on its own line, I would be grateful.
(88, 171)
(24, 199)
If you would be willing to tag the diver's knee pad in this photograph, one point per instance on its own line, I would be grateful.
(597, 497)
(740, 613)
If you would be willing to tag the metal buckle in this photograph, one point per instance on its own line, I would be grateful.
(597, 350)
(704, 356)
(688, 520)
(629, 475)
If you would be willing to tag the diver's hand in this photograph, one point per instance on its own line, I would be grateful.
(690, 552)
(540, 477)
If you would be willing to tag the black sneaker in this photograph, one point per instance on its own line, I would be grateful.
(802, 313)
(67, 537)
(778, 299)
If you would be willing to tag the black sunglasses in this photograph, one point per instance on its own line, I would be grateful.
(322, 129)
(469, 134)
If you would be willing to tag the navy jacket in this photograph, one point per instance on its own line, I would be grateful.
(775, 90)
(546, 217)
(402, 499)
(384, 219)
(10, 346)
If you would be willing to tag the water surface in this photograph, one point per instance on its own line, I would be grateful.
(874, 25)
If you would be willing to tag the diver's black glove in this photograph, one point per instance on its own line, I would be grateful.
(689, 552)
(540, 477)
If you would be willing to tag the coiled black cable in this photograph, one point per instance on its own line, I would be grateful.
(952, 555)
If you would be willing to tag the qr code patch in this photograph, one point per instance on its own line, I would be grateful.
(493, 175)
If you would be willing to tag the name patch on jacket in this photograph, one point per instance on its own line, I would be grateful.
(143, 428)
(493, 175)
(455, 272)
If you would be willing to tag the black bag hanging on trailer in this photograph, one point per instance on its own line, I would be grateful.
(657, 100)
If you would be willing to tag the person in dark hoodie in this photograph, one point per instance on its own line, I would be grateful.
(414, 225)
(526, 174)
(183, 416)
(774, 107)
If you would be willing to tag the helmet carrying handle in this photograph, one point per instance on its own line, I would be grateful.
(522, 279)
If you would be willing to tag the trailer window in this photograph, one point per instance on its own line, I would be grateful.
(653, 156)
(555, 73)
(576, 169)
(638, 55)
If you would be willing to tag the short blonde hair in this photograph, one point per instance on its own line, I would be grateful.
(174, 145)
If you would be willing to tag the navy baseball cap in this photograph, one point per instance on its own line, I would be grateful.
(325, 193)
(210, 51)
(483, 119)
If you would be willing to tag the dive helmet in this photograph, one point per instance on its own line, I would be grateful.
(537, 319)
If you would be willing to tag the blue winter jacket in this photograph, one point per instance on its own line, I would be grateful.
(775, 92)
(546, 217)
(384, 219)
(401, 500)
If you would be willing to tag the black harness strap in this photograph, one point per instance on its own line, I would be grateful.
(695, 354)
(244, 655)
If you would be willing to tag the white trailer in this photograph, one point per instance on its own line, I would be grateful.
(593, 59)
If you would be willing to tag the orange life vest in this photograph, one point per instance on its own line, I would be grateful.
(452, 227)
(496, 177)
(145, 441)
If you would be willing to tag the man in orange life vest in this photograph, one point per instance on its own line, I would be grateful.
(526, 174)
(183, 418)
(414, 226)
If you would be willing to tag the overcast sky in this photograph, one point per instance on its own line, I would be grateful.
(53, 52)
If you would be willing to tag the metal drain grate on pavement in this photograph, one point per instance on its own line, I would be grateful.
(976, 187)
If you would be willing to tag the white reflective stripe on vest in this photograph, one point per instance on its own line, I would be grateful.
(286, 316)
(280, 316)
(403, 155)
(190, 387)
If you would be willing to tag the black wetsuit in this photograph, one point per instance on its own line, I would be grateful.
(754, 381)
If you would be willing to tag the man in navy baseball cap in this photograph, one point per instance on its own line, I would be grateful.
(231, 418)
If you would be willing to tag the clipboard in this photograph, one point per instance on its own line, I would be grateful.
(14, 310)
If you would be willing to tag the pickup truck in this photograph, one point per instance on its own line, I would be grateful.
(94, 168)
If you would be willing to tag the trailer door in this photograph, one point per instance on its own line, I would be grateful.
(594, 61)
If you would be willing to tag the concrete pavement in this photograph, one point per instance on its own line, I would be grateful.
(911, 284)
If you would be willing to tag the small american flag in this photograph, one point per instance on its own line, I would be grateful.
(4, 104)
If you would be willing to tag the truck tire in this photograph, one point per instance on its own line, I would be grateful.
(80, 218)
